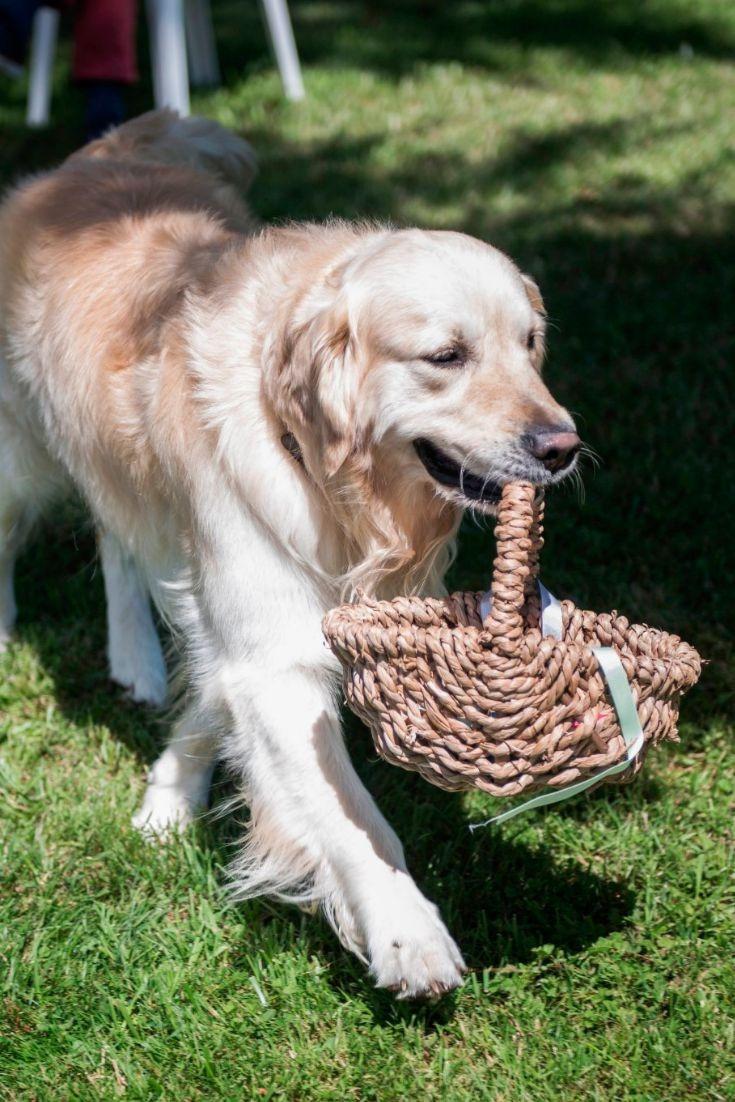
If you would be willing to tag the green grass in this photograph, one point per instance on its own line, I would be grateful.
(593, 142)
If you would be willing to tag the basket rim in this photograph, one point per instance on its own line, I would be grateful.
(365, 628)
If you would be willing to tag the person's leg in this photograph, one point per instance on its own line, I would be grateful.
(104, 60)
(104, 107)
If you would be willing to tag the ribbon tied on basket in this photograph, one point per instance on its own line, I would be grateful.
(620, 694)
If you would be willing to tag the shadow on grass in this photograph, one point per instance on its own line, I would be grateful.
(507, 904)
(392, 37)
(62, 617)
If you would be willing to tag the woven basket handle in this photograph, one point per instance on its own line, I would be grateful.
(519, 537)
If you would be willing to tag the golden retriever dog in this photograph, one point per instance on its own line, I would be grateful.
(260, 421)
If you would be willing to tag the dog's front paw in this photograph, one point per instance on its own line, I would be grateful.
(413, 953)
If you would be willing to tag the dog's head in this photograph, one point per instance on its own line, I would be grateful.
(418, 364)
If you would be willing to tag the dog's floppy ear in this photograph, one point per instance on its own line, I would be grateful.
(534, 294)
(317, 383)
(537, 304)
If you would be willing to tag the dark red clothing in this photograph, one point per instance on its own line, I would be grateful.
(104, 40)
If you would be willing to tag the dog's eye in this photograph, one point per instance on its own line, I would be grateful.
(531, 340)
(446, 357)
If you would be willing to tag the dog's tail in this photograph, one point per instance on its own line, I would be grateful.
(163, 137)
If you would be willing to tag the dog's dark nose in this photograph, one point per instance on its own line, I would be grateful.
(554, 447)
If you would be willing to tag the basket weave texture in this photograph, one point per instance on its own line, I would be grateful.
(496, 705)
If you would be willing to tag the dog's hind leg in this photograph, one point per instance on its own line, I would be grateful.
(28, 480)
(133, 648)
(178, 783)
(15, 521)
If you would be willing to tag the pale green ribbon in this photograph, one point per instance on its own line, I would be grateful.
(622, 698)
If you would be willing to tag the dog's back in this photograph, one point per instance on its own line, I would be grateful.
(157, 163)
(163, 138)
(96, 260)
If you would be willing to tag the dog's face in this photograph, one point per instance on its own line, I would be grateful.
(408, 371)
(420, 357)
(446, 342)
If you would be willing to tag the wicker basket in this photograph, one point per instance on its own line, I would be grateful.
(496, 705)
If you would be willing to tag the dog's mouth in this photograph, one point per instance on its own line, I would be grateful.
(455, 476)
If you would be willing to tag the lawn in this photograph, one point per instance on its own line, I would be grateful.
(593, 142)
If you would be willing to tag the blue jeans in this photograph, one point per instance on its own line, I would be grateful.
(16, 21)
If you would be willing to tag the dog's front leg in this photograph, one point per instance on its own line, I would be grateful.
(316, 833)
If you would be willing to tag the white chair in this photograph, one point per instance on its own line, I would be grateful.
(182, 47)
(41, 64)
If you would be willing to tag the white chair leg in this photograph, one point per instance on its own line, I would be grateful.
(200, 44)
(168, 54)
(284, 45)
(41, 68)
